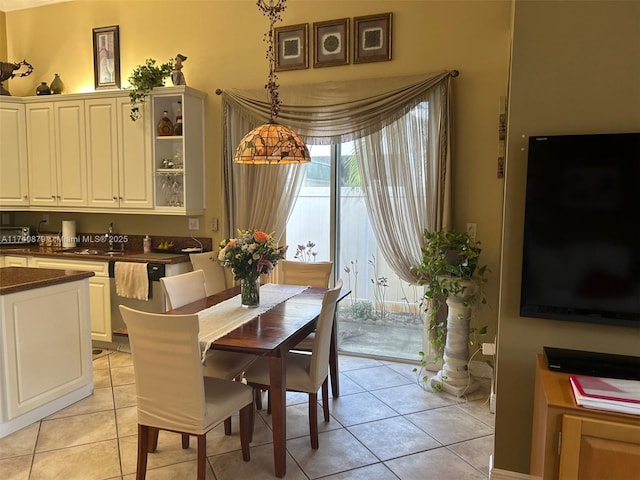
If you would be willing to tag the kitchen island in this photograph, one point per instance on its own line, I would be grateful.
(45, 343)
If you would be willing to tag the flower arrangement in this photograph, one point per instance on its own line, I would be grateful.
(251, 254)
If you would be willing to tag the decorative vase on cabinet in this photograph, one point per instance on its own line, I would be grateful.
(57, 86)
(43, 89)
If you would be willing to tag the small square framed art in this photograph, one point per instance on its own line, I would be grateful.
(331, 43)
(372, 38)
(292, 47)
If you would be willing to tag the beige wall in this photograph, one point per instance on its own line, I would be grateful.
(3, 37)
(575, 69)
(223, 40)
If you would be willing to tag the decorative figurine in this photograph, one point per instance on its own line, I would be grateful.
(177, 76)
(7, 70)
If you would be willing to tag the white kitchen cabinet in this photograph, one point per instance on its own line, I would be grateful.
(83, 153)
(56, 154)
(15, 261)
(14, 183)
(179, 159)
(118, 156)
(46, 360)
(102, 151)
(135, 163)
(99, 291)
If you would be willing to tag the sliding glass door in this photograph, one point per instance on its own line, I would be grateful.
(382, 317)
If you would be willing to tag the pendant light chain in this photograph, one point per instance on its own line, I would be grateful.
(273, 10)
(272, 143)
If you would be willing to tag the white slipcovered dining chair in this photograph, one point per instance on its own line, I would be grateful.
(214, 274)
(184, 288)
(172, 393)
(187, 288)
(306, 372)
(314, 274)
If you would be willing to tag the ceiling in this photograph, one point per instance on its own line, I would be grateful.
(9, 5)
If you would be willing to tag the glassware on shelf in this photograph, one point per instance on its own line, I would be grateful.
(177, 159)
(172, 188)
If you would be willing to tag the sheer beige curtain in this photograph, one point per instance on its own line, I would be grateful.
(336, 112)
(404, 169)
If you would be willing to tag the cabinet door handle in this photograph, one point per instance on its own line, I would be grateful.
(115, 198)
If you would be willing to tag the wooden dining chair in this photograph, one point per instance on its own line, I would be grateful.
(172, 393)
(187, 288)
(306, 372)
(314, 274)
(214, 275)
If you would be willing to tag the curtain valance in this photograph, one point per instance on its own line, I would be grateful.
(335, 112)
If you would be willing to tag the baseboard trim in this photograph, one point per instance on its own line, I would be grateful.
(498, 474)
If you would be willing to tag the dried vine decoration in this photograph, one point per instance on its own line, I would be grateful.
(272, 10)
(272, 143)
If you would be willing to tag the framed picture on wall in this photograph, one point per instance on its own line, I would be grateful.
(106, 57)
(331, 43)
(292, 47)
(372, 38)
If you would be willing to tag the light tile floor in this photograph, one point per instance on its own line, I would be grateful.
(383, 426)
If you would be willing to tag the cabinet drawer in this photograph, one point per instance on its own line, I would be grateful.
(101, 269)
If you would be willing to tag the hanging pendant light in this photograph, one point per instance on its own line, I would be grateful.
(271, 143)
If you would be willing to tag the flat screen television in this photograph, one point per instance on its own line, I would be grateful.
(581, 251)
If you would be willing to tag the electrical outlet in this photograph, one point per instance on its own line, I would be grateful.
(214, 224)
(471, 228)
(194, 224)
(45, 219)
(488, 348)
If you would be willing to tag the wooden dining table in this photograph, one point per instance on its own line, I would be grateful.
(272, 334)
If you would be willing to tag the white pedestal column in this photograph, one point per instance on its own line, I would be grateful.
(454, 376)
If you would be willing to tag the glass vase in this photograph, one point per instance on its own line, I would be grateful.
(250, 292)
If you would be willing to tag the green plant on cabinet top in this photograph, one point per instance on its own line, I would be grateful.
(143, 79)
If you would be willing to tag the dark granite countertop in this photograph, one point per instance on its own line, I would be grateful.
(125, 256)
(19, 279)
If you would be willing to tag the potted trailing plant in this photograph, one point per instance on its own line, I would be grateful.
(451, 274)
(143, 79)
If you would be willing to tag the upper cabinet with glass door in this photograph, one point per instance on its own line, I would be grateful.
(178, 150)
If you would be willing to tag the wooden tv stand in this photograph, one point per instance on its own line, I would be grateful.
(572, 442)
